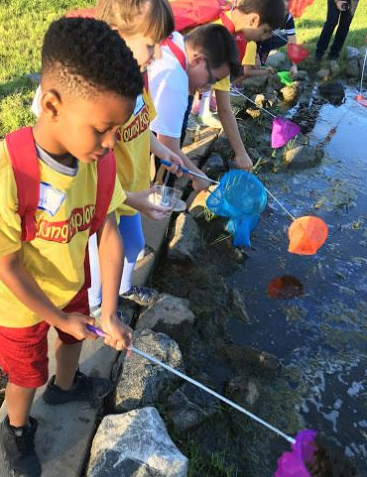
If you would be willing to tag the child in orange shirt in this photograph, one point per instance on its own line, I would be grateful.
(90, 82)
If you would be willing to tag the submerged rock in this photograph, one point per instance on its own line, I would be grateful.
(143, 382)
(333, 91)
(302, 157)
(186, 239)
(135, 444)
(190, 406)
(169, 311)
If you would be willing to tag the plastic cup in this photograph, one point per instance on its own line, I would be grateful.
(166, 197)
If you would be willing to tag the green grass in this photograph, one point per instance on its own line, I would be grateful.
(23, 23)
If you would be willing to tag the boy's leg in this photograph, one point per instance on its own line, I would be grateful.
(18, 404)
(133, 238)
(23, 356)
(332, 18)
(69, 384)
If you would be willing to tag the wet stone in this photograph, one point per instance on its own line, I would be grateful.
(333, 91)
(245, 387)
(323, 73)
(190, 406)
(289, 93)
(135, 444)
(186, 239)
(353, 69)
(302, 157)
(143, 383)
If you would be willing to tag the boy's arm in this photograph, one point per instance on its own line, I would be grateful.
(163, 152)
(294, 67)
(174, 145)
(21, 283)
(111, 256)
(250, 71)
(229, 123)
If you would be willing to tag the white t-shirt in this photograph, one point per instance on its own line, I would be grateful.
(169, 87)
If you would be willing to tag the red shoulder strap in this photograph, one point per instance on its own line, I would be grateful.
(146, 81)
(106, 169)
(23, 155)
(227, 22)
(176, 50)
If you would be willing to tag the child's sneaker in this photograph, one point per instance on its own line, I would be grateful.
(210, 121)
(142, 296)
(18, 457)
(84, 388)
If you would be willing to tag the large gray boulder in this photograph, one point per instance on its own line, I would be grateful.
(190, 406)
(276, 59)
(302, 157)
(135, 444)
(353, 70)
(168, 311)
(186, 239)
(143, 383)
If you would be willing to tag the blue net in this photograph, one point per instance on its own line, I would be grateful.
(241, 197)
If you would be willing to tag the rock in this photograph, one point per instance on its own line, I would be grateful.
(353, 53)
(249, 355)
(323, 73)
(276, 59)
(254, 113)
(214, 165)
(353, 70)
(239, 305)
(135, 444)
(260, 100)
(190, 406)
(274, 82)
(197, 201)
(168, 310)
(333, 91)
(186, 239)
(289, 93)
(254, 85)
(302, 75)
(334, 67)
(302, 157)
(142, 382)
(244, 387)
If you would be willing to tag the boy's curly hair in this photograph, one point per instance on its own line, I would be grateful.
(271, 12)
(151, 18)
(330, 461)
(84, 56)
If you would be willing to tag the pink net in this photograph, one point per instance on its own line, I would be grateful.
(283, 131)
(292, 464)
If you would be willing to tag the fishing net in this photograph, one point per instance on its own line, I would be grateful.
(283, 131)
(293, 464)
(297, 53)
(241, 197)
(306, 235)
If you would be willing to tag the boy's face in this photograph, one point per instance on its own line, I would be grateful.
(201, 74)
(142, 48)
(84, 128)
(250, 25)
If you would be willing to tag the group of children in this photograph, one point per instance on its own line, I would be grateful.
(70, 224)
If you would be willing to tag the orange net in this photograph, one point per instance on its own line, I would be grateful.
(306, 235)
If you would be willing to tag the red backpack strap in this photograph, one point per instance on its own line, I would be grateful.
(176, 50)
(24, 159)
(146, 81)
(106, 170)
(227, 22)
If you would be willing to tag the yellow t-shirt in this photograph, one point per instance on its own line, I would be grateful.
(55, 258)
(249, 58)
(132, 150)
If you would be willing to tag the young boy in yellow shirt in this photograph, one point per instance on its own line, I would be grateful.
(90, 82)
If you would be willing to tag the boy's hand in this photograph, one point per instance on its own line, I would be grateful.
(74, 324)
(244, 162)
(120, 336)
(140, 201)
(175, 160)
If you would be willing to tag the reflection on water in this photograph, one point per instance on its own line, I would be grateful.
(285, 287)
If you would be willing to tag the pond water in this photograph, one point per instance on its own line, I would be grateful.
(318, 329)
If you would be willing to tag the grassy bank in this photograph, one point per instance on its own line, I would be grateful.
(23, 23)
